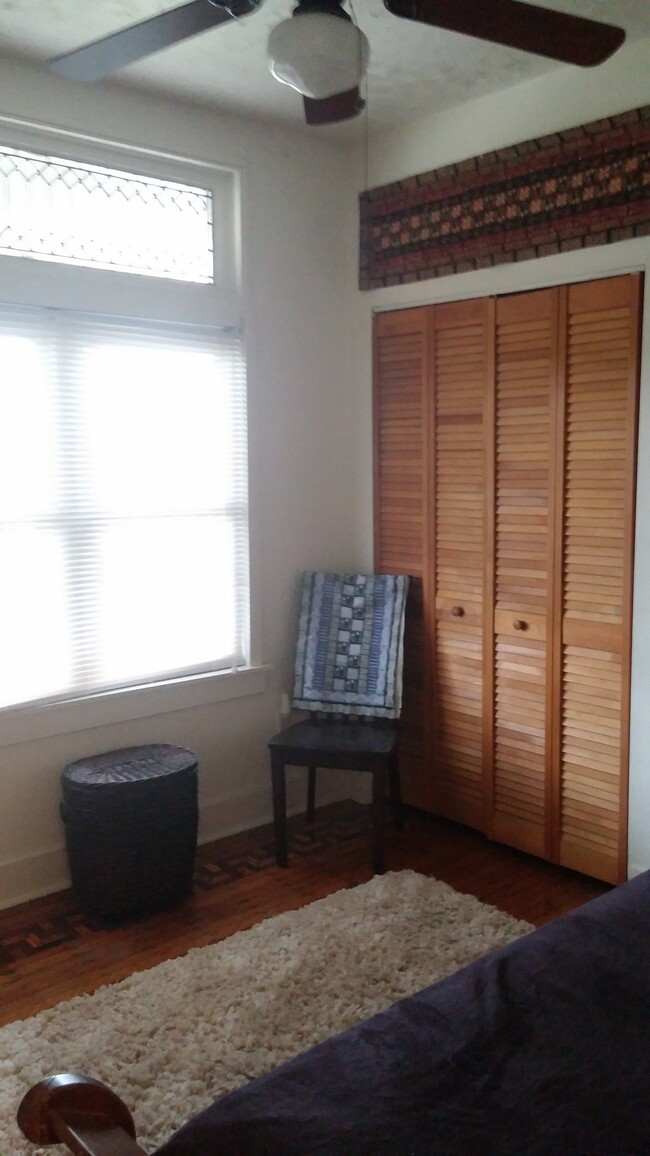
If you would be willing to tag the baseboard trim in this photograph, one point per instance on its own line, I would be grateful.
(45, 873)
(229, 816)
(33, 877)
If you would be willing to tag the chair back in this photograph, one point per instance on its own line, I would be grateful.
(351, 644)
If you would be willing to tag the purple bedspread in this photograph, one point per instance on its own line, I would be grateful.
(542, 1047)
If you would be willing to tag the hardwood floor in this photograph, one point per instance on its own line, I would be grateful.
(49, 951)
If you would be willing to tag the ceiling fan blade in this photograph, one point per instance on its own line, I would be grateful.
(571, 39)
(101, 57)
(330, 110)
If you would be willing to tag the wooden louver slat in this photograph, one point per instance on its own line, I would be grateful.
(400, 448)
(601, 378)
(460, 366)
(526, 351)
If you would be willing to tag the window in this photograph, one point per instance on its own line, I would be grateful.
(123, 503)
(80, 214)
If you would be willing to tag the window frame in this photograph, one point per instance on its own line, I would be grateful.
(28, 281)
(50, 284)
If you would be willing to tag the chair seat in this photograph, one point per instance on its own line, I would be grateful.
(363, 746)
(312, 737)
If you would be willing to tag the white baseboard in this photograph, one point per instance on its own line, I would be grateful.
(241, 813)
(47, 872)
(33, 876)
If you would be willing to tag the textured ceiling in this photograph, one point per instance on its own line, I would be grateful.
(413, 69)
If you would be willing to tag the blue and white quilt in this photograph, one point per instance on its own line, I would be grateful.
(351, 644)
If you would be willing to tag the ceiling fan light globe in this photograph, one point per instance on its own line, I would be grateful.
(318, 54)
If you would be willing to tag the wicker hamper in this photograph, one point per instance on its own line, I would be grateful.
(131, 820)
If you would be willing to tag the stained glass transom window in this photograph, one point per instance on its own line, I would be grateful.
(59, 210)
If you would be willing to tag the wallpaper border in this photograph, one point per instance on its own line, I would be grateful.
(569, 190)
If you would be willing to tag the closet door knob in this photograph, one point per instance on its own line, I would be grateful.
(457, 611)
(519, 624)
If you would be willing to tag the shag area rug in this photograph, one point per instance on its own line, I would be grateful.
(171, 1039)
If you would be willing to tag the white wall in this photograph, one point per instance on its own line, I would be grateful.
(569, 97)
(297, 212)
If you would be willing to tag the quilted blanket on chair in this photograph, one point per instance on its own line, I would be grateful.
(350, 644)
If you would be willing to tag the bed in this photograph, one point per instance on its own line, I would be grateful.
(541, 1048)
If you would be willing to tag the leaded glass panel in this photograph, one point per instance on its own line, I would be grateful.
(60, 210)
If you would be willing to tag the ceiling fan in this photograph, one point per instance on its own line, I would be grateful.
(323, 55)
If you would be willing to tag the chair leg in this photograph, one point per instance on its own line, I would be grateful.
(378, 791)
(311, 792)
(395, 786)
(279, 809)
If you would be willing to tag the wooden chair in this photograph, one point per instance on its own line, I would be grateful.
(348, 659)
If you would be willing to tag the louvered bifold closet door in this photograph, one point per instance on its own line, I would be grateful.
(401, 366)
(524, 470)
(461, 363)
(599, 477)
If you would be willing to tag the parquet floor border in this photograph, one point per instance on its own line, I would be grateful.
(217, 866)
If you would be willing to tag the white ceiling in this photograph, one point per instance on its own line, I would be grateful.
(413, 70)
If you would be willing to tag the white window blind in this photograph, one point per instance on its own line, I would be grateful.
(123, 503)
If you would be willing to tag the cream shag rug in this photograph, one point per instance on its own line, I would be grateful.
(171, 1039)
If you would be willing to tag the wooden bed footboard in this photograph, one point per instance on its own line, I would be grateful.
(80, 1112)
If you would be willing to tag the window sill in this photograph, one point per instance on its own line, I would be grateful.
(30, 723)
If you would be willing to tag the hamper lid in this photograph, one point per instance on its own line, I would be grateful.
(130, 764)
